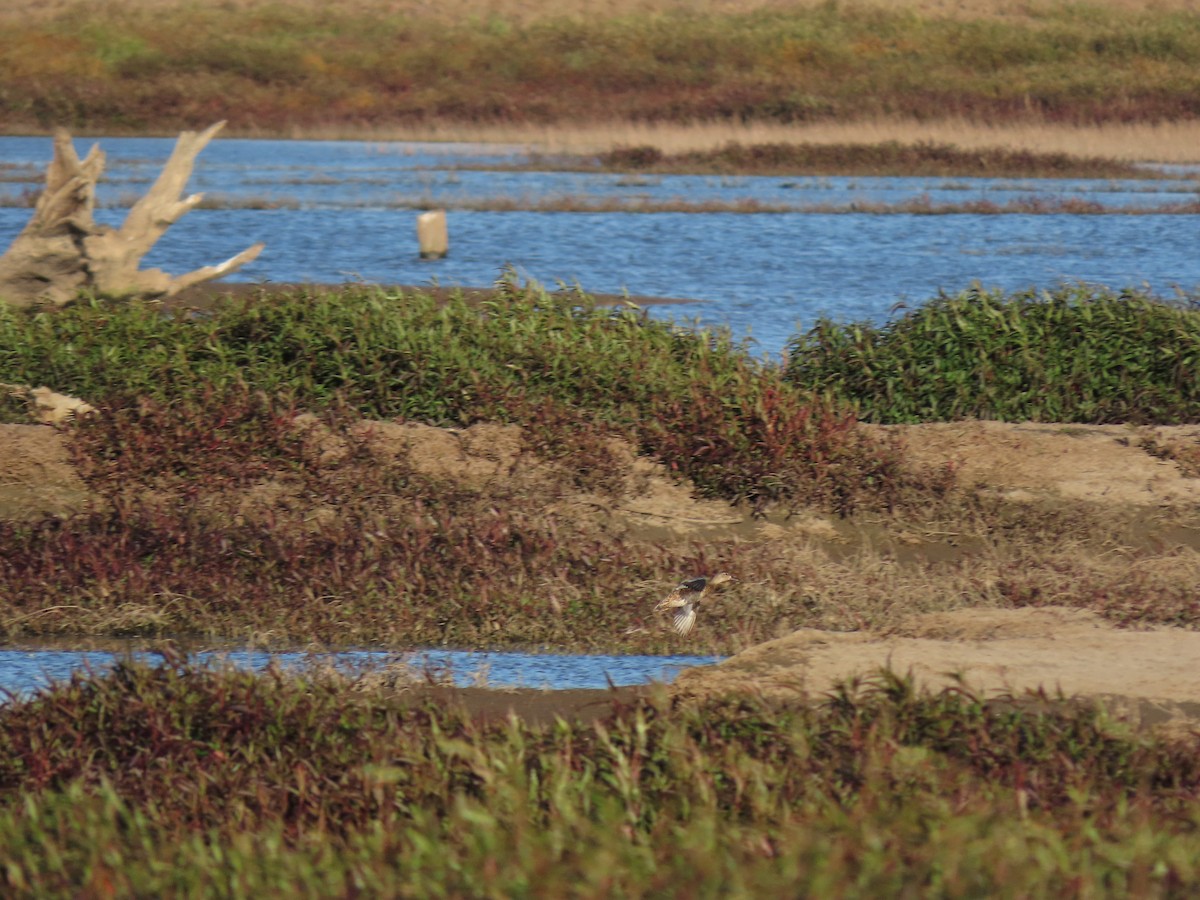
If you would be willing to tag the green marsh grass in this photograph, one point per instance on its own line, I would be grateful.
(1075, 354)
(415, 358)
(186, 780)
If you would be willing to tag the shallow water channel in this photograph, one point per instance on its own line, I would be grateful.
(23, 671)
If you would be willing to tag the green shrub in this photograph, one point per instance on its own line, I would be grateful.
(1072, 355)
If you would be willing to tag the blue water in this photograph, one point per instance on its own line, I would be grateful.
(25, 671)
(762, 275)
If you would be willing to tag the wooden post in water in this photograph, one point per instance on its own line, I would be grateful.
(432, 234)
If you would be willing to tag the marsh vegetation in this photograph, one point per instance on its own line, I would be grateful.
(361, 466)
(130, 68)
(240, 483)
(185, 780)
(253, 472)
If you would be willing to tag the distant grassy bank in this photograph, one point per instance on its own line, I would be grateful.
(137, 66)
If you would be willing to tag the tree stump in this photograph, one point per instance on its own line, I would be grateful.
(62, 251)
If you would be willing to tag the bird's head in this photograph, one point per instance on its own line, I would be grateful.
(721, 579)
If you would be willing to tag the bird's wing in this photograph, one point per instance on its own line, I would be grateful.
(675, 599)
(671, 601)
(685, 618)
(685, 593)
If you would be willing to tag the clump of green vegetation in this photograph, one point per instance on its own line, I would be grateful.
(882, 159)
(1075, 354)
(181, 779)
(292, 65)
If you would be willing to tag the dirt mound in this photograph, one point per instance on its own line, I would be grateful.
(37, 476)
(471, 457)
(1101, 463)
(647, 503)
(1149, 674)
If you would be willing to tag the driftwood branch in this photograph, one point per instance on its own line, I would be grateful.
(62, 251)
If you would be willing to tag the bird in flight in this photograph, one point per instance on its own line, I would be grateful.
(685, 598)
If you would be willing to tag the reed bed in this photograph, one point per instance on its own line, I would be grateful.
(885, 158)
(183, 780)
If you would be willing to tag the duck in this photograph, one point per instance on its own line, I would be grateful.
(687, 596)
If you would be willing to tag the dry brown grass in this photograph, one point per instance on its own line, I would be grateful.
(1171, 142)
(373, 104)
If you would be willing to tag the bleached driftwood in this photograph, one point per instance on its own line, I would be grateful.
(47, 406)
(62, 250)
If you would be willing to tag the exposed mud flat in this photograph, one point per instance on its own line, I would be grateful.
(1149, 675)
(1095, 463)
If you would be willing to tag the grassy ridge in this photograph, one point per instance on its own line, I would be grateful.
(269, 68)
(183, 780)
(1071, 355)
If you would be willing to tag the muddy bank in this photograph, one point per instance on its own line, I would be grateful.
(1149, 675)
